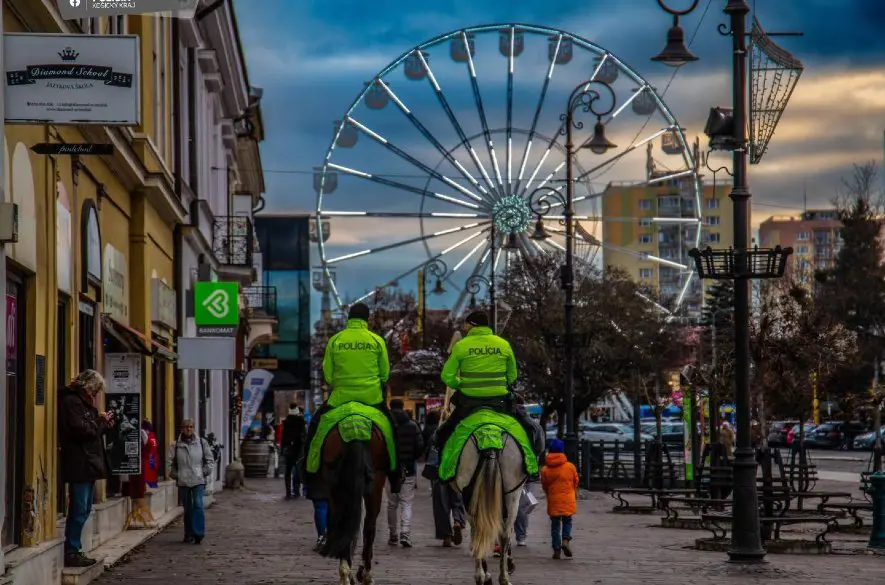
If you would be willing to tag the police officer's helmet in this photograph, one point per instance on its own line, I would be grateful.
(359, 311)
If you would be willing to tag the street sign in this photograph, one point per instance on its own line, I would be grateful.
(72, 149)
(216, 308)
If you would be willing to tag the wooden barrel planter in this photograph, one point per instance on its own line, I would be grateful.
(256, 458)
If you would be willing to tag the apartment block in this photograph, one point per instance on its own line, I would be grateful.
(815, 236)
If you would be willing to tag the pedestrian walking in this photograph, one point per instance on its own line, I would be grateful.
(559, 478)
(191, 462)
(83, 457)
(318, 493)
(409, 448)
(292, 443)
(527, 503)
(150, 459)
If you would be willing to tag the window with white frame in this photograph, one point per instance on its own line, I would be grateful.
(712, 203)
(645, 239)
(713, 238)
(161, 54)
(802, 250)
(711, 220)
(645, 222)
(646, 272)
(645, 204)
(802, 236)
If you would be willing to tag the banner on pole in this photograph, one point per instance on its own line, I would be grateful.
(254, 387)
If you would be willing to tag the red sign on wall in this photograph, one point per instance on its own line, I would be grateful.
(11, 333)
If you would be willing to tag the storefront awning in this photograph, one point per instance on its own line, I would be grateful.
(136, 340)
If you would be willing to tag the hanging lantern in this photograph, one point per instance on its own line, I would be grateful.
(644, 104)
(331, 181)
(566, 50)
(376, 97)
(671, 143)
(413, 66)
(608, 73)
(504, 42)
(348, 135)
(458, 51)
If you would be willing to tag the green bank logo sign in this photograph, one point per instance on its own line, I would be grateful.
(216, 308)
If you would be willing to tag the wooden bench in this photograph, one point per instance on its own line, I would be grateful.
(623, 504)
(824, 497)
(852, 509)
(692, 503)
(714, 521)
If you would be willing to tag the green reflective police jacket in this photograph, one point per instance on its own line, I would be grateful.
(481, 365)
(356, 365)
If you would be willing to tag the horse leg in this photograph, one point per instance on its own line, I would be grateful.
(373, 508)
(481, 574)
(344, 573)
(504, 574)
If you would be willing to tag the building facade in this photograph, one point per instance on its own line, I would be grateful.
(100, 267)
(220, 181)
(635, 246)
(284, 240)
(815, 236)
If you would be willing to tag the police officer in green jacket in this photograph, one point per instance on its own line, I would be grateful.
(356, 366)
(481, 369)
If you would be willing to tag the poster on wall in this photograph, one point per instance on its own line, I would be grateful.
(123, 398)
(254, 387)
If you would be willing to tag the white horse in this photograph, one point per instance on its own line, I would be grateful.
(491, 481)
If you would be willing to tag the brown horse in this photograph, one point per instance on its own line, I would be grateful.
(355, 473)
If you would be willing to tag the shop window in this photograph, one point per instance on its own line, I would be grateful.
(15, 411)
(86, 332)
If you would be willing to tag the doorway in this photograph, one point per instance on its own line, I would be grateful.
(158, 408)
(62, 348)
(15, 409)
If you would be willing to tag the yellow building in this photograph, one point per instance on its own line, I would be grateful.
(654, 232)
(91, 274)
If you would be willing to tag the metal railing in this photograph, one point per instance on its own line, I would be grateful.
(233, 240)
(604, 465)
(262, 299)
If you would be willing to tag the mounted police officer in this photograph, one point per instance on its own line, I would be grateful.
(356, 366)
(481, 368)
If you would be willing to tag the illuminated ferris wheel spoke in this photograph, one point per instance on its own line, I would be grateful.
(510, 67)
(626, 151)
(403, 186)
(397, 214)
(441, 97)
(538, 109)
(477, 97)
(434, 141)
(674, 175)
(478, 268)
(411, 160)
(402, 243)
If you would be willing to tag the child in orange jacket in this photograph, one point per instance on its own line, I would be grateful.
(559, 478)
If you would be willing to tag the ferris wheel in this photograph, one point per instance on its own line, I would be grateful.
(441, 156)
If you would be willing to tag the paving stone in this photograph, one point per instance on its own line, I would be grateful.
(255, 537)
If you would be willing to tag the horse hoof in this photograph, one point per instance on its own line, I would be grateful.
(488, 580)
(360, 574)
(511, 566)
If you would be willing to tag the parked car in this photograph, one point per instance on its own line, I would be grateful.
(866, 441)
(794, 432)
(834, 435)
(777, 436)
(672, 433)
(611, 432)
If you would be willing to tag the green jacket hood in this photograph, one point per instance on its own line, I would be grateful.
(357, 324)
(480, 331)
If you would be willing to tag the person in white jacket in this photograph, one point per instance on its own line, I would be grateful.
(191, 463)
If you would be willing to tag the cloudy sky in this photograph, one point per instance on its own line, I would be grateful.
(313, 59)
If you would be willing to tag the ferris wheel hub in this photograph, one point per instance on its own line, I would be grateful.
(511, 214)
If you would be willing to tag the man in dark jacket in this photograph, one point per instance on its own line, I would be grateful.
(409, 448)
(80, 429)
(292, 443)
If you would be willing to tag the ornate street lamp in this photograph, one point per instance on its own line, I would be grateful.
(587, 98)
(438, 269)
(727, 130)
(473, 285)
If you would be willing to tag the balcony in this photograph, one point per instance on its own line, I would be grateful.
(261, 315)
(232, 242)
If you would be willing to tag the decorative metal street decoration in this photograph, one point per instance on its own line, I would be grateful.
(729, 264)
(774, 73)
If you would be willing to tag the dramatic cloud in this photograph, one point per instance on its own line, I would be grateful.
(313, 59)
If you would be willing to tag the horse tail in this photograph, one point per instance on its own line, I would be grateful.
(347, 491)
(486, 505)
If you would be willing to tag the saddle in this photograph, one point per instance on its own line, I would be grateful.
(355, 422)
(488, 428)
(470, 404)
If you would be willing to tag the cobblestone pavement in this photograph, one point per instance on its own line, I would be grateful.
(257, 538)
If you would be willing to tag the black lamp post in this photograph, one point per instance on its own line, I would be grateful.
(728, 131)
(585, 97)
(438, 269)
